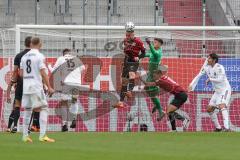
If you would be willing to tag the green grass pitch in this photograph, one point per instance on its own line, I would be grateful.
(123, 146)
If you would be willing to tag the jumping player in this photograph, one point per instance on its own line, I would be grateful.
(132, 48)
(222, 90)
(155, 56)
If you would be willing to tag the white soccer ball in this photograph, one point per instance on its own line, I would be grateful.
(129, 26)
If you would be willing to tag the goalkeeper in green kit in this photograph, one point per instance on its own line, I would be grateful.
(155, 56)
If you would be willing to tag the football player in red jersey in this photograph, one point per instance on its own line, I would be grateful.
(166, 84)
(133, 51)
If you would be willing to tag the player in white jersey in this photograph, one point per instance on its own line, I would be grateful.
(68, 103)
(34, 73)
(222, 90)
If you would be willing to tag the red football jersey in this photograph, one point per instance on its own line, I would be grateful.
(133, 48)
(169, 85)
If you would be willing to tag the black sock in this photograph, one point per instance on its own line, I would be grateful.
(36, 119)
(131, 84)
(11, 118)
(172, 121)
(16, 115)
(178, 116)
(122, 94)
(38, 116)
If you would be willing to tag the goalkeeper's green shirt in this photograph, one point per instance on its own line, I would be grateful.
(155, 57)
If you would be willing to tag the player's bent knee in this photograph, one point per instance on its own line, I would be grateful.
(171, 108)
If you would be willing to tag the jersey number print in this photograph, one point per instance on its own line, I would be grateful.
(70, 63)
(28, 63)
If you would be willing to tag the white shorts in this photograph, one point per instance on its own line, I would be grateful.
(221, 98)
(34, 100)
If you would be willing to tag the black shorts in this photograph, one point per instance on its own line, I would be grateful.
(129, 66)
(179, 99)
(19, 90)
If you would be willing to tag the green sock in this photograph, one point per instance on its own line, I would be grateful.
(156, 102)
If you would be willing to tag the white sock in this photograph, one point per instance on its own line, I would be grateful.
(74, 109)
(26, 121)
(214, 118)
(225, 118)
(64, 110)
(43, 121)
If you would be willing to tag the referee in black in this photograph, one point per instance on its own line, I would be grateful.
(17, 81)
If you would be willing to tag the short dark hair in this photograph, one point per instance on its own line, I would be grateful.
(65, 51)
(27, 41)
(214, 56)
(35, 41)
(159, 40)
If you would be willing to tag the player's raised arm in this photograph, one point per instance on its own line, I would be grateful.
(156, 53)
(148, 53)
(195, 80)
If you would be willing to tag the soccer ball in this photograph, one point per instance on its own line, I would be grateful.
(129, 26)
